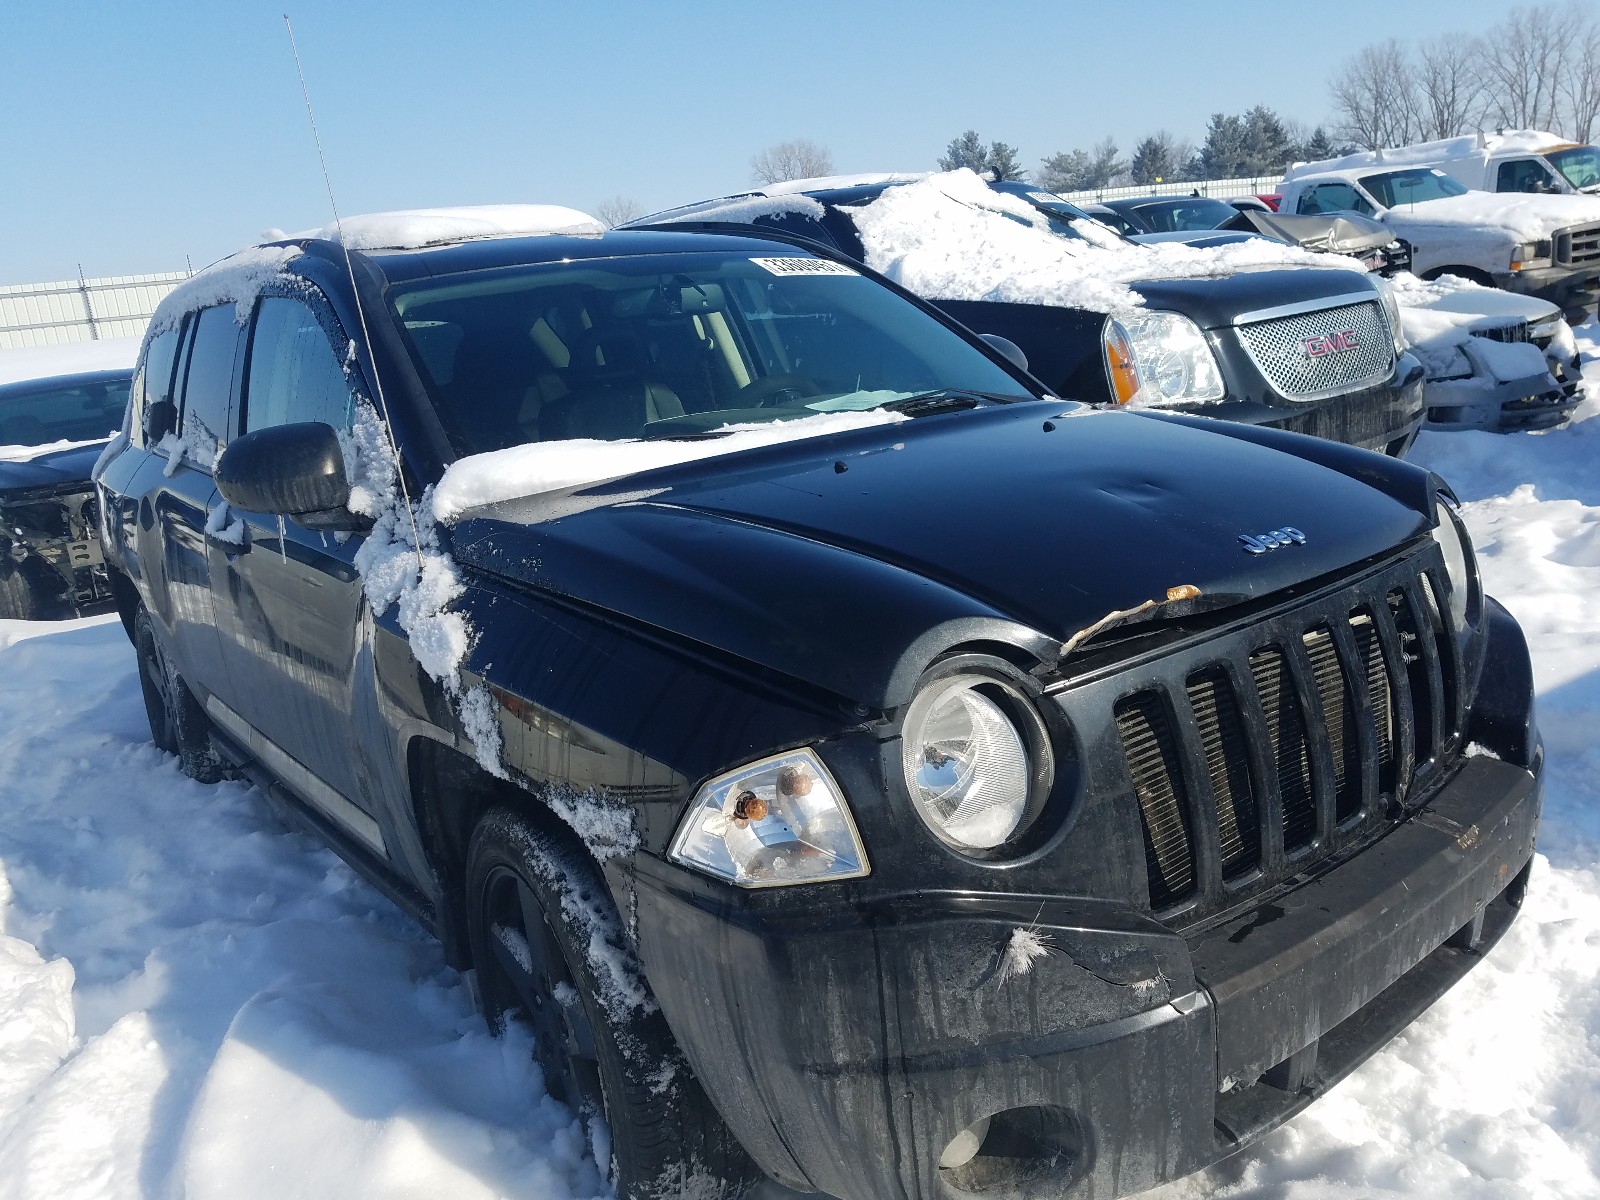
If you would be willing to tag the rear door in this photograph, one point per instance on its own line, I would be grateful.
(290, 601)
(177, 492)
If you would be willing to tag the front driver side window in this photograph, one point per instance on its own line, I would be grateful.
(295, 374)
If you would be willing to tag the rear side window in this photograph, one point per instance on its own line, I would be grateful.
(208, 388)
(295, 374)
(154, 381)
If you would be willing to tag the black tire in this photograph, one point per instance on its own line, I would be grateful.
(178, 724)
(19, 601)
(1471, 273)
(535, 901)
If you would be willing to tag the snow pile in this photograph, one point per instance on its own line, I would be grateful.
(28, 453)
(538, 467)
(67, 358)
(952, 237)
(1023, 948)
(237, 279)
(415, 228)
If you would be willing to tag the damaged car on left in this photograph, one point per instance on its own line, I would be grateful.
(51, 431)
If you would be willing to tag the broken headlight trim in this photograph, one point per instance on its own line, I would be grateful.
(1459, 565)
(776, 822)
(968, 764)
(1171, 358)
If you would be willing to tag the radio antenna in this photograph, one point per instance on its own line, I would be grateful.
(361, 311)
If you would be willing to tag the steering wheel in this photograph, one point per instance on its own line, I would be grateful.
(770, 391)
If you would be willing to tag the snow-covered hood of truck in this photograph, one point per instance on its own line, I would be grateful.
(1514, 218)
(952, 237)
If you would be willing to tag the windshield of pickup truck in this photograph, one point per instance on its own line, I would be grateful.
(1395, 189)
(659, 345)
(1579, 164)
(61, 410)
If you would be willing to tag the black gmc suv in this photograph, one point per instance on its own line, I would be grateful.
(1248, 346)
(927, 787)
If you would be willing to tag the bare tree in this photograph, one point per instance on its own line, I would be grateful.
(1580, 92)
(1450, 93)
(1376, 95)
(799, 159)
(617, 211)
(1525, 60)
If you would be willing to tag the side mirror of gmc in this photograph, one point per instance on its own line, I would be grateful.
(289, 470)
(1008, 349)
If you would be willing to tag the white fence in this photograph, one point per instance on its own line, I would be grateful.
(1222, 189)
(81, 310)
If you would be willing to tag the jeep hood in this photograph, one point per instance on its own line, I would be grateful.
(852, 561)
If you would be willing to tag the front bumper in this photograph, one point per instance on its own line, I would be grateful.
(1384, 416)
(846, 1046)
(1536, 401)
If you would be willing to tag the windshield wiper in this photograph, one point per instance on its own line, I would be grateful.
(946, 400)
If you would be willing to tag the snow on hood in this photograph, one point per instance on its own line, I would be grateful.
(952, 237)
(237, 280)
(67, 358)
(540, 467)
(1524, 217)
(415, 228)
(1438, 319)
(29, 453)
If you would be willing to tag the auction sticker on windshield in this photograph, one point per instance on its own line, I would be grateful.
(802, 266)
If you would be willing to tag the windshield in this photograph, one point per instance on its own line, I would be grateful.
(1394, 189)
(55, 412)
(1179, 216)
(1580, 165)
(671, 346)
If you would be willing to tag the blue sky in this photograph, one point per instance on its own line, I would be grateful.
(136, 133)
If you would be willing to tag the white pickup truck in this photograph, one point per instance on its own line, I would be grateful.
(1508, 160)
(1540, 245)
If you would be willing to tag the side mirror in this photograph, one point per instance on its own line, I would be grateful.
(160, 419)
(288, 470)
(1007, 349)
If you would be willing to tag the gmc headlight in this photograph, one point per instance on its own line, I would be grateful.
(782, 820)
(1531, 255)
(1459, 566)
(1391, 312)
(1160, 358)
(976, 760)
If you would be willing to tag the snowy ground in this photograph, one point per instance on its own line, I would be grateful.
(195, 1002)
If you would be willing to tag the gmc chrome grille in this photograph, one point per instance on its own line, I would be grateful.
(1577, 245)
(1323, 352)
(1255, 754)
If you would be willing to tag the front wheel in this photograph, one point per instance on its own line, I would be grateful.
(19, 600)
(550, 952)
(177, 722)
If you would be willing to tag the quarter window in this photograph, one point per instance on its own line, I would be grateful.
(295, 375)
(154, 381)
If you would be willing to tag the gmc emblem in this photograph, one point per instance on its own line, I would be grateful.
(1334, 343)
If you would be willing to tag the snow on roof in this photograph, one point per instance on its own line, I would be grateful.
(823, 183)
(1531, 141)
(67, 358)
(540, 467)
(416, 228)
(237, 280)
(952, 237)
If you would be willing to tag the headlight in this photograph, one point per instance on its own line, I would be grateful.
(1160, 358)
(972, 770)
(1458, 565)
(1559, 342)
(1531, 255)
(1391, 311)
(779, 821)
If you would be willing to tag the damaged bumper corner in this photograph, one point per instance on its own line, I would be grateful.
(852, 1047)
(1538, 400)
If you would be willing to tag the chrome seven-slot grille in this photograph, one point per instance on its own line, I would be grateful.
(1579, 244)
(1322, 352)
(1279, 743)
